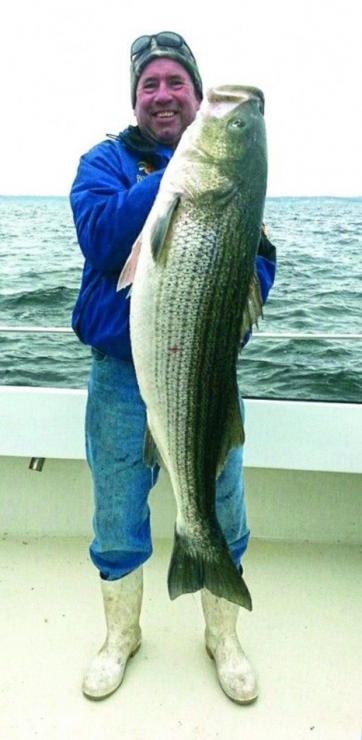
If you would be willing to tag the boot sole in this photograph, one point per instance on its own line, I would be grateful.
(236, 701)
(91, 697)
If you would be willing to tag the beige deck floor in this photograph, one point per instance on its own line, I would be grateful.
(304, 636)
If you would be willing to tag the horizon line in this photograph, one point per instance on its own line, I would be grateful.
(57, 195)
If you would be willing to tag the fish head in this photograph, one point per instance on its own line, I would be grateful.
(224, 149)
(233, 126)
(227, 140)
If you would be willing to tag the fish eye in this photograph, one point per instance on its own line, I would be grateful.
(237, 123)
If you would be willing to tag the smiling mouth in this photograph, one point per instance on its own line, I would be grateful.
(166, 114)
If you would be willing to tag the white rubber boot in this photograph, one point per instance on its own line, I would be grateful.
(236, 675)
(122, 606)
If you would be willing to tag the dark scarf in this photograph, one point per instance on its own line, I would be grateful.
(138, 143)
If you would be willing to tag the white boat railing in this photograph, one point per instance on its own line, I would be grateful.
(327, 436)
(41, 422)
(36, 329)
(329, 336)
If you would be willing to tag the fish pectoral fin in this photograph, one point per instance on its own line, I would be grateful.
(234, 435)
(129, 269)
(160, 230)
(254, 306)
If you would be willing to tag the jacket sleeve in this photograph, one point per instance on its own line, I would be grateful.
(108, 214)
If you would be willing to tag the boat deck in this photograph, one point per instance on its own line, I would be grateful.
(304, 637)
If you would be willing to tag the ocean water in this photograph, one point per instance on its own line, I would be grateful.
(317, 289)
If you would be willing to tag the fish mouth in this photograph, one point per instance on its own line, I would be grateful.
(236, 95)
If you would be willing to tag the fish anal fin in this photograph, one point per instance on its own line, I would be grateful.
(151, 456)
(129, 269)
(234, 435)
(253, 308)
(160, 230)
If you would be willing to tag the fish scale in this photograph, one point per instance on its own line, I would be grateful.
(181, 368)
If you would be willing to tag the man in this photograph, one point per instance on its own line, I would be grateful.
(116, 184)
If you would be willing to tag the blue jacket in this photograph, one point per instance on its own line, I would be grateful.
(112, 194)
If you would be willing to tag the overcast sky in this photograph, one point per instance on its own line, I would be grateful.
(65, 82)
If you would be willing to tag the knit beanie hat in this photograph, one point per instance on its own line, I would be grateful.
(165, 44)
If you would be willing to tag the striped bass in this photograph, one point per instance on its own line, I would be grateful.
(194, 295)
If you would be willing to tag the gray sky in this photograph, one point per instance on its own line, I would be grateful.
(65, 82)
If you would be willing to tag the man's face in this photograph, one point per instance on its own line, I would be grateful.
(166, 102)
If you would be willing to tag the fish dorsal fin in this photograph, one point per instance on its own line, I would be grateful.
(160, 230)
(129, 269)
(234, 435)
(253, 308)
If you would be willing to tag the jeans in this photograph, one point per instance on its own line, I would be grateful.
(115, 427)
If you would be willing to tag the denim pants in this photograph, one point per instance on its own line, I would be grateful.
(115, 427)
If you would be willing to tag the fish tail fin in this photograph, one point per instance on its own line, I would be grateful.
(191, 569)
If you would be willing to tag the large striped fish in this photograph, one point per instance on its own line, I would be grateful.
(194, 294)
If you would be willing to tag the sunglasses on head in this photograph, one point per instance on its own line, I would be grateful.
(165, 38)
